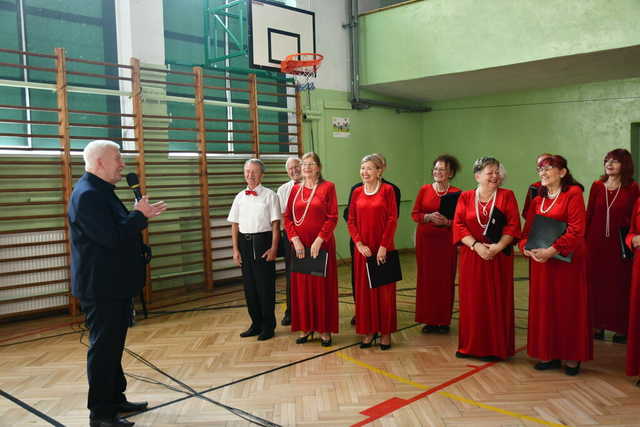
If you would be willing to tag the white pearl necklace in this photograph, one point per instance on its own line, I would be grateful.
(555, 196)
(296, 221)
(606, 197)
(491, 200)
(439, 194)
(373, 192)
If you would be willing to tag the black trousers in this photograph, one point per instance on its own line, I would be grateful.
(259, 277)
(108, 321)
(287, 254)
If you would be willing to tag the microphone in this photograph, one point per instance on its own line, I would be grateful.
(134, 184)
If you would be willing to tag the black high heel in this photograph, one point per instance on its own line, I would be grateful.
(370, 343)
(385, 346)
(572, 371)
(325, 343)
(545, 366)
(304, 339)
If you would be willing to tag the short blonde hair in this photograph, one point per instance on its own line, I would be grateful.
(375, 159)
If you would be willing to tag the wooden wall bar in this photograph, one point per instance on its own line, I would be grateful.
(186, 133)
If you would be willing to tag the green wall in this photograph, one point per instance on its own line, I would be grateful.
(580, 122)
(433, 37)
(397, 136)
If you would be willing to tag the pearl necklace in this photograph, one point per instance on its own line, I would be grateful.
(491, 200)
(435, 188)
(373, 192)
(296, 221)
(555, 198)
(606, 197)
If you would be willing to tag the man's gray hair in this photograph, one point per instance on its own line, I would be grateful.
(290, 159)
(257, 162)
(94, 150)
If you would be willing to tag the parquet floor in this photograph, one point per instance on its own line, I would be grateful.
(188, 361)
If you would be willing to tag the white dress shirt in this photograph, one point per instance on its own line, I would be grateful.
(283, 194)
(254, 214)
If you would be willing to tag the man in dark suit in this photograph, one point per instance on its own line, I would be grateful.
(108, 261)
(345, 215)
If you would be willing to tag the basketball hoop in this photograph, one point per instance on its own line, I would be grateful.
(304, 67)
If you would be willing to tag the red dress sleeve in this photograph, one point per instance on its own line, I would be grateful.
(288, 215)
(392, 217)
(576, 220)
(460, 229)
(416, 212)
(331, 219)
(634, 228)
(352, 222)
(591, 205)
(512, 227)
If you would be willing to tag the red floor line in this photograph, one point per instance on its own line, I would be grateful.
(393, 404)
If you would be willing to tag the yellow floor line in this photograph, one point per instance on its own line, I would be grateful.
(447, 394)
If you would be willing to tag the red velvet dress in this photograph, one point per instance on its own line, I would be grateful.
(559, 315)
(609, 274)
(633, 333)
(372, 221)
(314, 299)
(486, 287)
(436, 257)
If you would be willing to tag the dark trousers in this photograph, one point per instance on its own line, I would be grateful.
(352, 249)
(108, 321)
(287, 254)
(259, 277)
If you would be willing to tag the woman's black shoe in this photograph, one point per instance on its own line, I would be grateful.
(463, 355)
(385, 346)
(429, 329)
(364, 344)
(443, 329)
(572, 371)
(619, 339)
(304, 339)
(551, 364)
(599, 335)
(325, 343)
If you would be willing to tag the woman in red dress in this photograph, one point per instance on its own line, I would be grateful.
(436, 254)
(611, 200)
(633, 342)
(372, 225)
(486, 270)
(559, 315)
(310, 218)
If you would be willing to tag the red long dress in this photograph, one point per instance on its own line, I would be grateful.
(633, 334)
(609, 274)
(372, 221)
(486, 287)
(559, 315)
(436, 257)
(314, 299)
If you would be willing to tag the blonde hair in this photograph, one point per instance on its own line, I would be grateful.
(375, 159)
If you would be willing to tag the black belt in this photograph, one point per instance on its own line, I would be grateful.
(251, 236)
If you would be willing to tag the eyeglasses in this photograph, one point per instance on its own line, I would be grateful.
(439, 169)
(612, 161)
(307, 165)
(544, 168)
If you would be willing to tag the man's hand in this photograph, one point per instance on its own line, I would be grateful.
(236, 257)
(149, 210)
(270, 254)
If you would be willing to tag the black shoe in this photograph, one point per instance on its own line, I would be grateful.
(619, 339)
(353, 320)
(490, 359)
(384, 347)
(463, 355)
(286, 320)
(443, 329)
(251, 332)
(429, 329)
(110, 422)
(572, 371)
(133, 406)
(551, 364)
(305, 338)
(638, 383)
(599, 334)
(364, 344)
(265, 335)
(325, 343)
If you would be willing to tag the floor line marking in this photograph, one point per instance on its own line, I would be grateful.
(393, 404)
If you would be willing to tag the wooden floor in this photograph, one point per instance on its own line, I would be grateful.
(188, 361)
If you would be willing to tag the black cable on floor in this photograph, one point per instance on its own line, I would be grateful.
(31, 409)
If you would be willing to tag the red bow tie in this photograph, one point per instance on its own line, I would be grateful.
(250, 193)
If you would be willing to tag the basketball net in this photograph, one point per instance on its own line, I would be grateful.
(303, 67)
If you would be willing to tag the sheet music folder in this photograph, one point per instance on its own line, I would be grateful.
(625, 251)
(448, 204)
(314, 266)
(384, 274)
(544, 232)
(493, 232)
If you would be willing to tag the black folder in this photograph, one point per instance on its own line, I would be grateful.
(544, 232)
(448, 204)
(314, 266)
(384, 274)
(493, 232)
(625, 251)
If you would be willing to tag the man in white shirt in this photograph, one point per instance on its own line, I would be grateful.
(255, 232)
(294, 170)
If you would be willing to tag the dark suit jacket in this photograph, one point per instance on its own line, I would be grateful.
(107, 259)
(345, 213)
